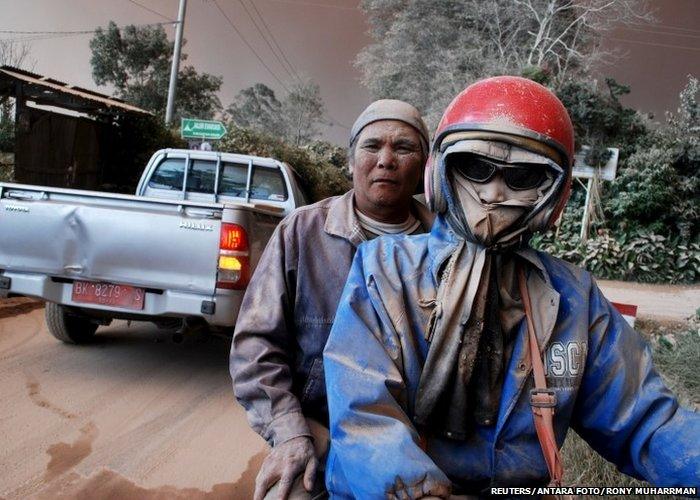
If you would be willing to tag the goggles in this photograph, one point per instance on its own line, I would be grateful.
(517, 176)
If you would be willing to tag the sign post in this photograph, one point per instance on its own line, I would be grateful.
(594, 175)
(191, 128)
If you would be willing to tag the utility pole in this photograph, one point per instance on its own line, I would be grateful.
(175, 68)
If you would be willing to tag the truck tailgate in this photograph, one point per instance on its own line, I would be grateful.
(106, 237)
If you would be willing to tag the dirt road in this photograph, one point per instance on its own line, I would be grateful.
(675, 302)
(135, 415)
(132, 416)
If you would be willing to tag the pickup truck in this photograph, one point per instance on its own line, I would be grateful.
(178, 253)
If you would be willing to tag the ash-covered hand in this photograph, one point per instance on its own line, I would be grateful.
(284, 464)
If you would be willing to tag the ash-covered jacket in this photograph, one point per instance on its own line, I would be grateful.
(287, 313)
(600, 369)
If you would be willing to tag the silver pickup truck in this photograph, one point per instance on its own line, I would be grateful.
(179, 252)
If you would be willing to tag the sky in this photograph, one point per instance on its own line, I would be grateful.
(320, 39)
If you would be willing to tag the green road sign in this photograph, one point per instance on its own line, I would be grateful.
(191, 128)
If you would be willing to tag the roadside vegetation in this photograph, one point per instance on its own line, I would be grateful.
(647, 229)
(646, 225)
(673, 345)
(320, 165)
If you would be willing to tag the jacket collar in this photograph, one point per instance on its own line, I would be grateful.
(443, 241)
(342, 221)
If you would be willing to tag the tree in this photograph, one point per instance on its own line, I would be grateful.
(303, 112)
(137, 60)
(659, 186)
(257, 108)
(319, 175)
(600, 120)
(426, 52)
(295, 119)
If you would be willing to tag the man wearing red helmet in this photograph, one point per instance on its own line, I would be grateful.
(429, 361)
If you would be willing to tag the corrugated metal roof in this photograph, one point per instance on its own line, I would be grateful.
(51, 91)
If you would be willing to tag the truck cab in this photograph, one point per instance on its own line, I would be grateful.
(215, 177)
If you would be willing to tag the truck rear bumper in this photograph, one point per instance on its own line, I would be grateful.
(169, 303)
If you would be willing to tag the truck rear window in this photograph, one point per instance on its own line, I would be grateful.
(168, 175)
(266, 184)
(201, 176)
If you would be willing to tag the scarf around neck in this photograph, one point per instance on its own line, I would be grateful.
(470, 336)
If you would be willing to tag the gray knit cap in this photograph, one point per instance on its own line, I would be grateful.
(391, 109)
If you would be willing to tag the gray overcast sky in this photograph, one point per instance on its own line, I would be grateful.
(321, 39)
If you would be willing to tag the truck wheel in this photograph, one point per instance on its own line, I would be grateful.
(68, 327)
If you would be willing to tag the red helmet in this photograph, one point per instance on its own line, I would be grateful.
(508, 109)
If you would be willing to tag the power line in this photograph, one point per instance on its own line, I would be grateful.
(33, 36)
(284, 56)
(40, 37)
(151, 10)
(265, 38)
(274, 40)
(313, 4)
(14, 32)
(668, 26)
(74, 32)
(336, 122)
(655, 44)
(663, 32)
(249, 45)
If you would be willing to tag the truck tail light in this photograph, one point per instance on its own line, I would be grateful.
(233, 270)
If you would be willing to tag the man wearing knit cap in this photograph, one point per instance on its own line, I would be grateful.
(289, 306)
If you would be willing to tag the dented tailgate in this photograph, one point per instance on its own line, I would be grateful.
(82, 235)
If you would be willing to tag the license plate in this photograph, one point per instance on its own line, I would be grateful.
(108, 294)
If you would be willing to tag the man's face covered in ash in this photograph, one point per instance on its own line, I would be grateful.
(496, 186)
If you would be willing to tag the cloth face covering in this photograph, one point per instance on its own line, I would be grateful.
(490, 222)
(477, 303)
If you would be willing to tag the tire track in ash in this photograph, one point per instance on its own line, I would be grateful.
(9, 351)
(34, 391)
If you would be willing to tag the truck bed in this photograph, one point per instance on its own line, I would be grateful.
(52, 237)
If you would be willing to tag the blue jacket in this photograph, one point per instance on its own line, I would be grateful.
(601, 370)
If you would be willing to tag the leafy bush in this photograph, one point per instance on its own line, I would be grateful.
(317, 165)
(651, 211)
(600, 120)
(7, 134)
(659, 186)
(642, 256)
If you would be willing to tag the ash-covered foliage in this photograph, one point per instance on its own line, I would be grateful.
(318, 166)
(296, 118)
(650, 230)
(426, 52)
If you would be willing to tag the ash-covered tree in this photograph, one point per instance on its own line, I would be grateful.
(659, 188)
(302, 111)
(426, 52)
(136, 60)
(295, 119)
(600, 119)
(257, 108)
